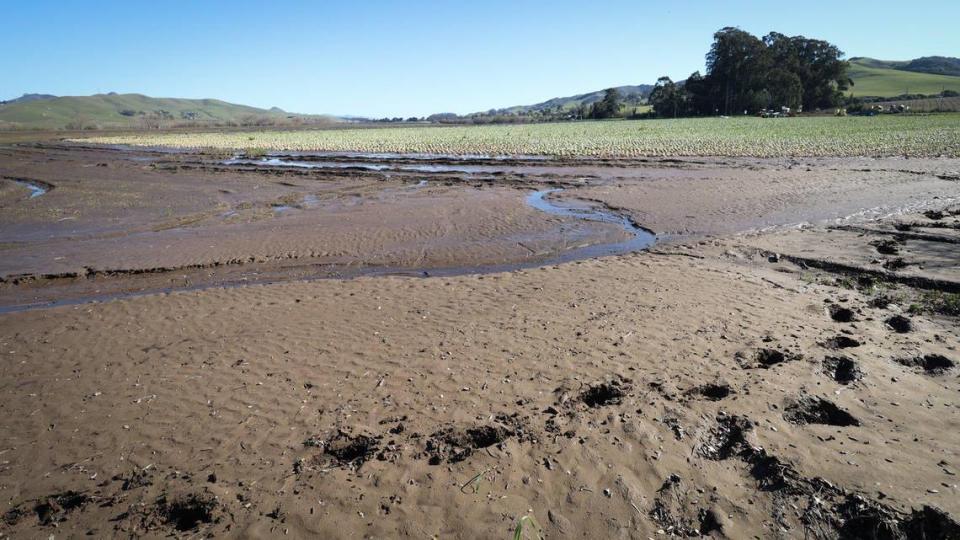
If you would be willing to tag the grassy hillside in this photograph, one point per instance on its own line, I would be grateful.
(132, 110)
(572, 102)
(935, 65)
(882, 78)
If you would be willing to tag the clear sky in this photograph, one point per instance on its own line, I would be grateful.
(403, 58)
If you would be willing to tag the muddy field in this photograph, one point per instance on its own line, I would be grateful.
(433, 346)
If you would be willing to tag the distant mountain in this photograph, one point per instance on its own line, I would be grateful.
(136, 110)
(885, 78)
(632, 94)
(27, 98)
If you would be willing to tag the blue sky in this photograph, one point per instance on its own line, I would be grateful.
(414, 58)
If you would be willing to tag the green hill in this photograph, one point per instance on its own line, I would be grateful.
(887, 79)
(136, 111)
(631, 95)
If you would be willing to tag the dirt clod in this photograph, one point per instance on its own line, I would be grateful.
(840, 342)
(351, 450)
(932, 364)
(608, 393)
(452, 444)
(886, 247)
(770, 357)
(880, 302)
(55, 508)
(713, 391)
(896, 264)
(727, 438)
(842, 369)
(900, 324)
(865, 519)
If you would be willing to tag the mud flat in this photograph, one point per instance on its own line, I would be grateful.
(744, 376)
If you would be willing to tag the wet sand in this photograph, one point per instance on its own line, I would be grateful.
(742, 378)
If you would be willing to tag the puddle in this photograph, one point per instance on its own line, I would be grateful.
(642, 238)
(36, 190)
(430, 157)
(362, 165)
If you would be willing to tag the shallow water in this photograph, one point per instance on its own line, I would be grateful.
(642, 238)
(363, 165)
(423, 156)
(36, 190)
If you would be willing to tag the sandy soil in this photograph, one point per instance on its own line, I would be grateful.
(732, 383)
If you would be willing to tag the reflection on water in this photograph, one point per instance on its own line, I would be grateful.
(36, 190)
(362, 165)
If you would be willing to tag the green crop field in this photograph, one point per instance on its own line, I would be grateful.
(884, 82)
(890, 135)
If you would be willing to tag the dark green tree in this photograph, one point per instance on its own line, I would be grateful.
(746, 74)
(736, 63)
(608, 107)
(668, 98)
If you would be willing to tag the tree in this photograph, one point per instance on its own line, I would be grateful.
(608, 107)
(784, 89)
(736, 63)
(817, 65)
(700, 97)
(746, 74)
(668, 98)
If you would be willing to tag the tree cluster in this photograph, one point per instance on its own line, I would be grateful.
(608, 107)
(746, 74)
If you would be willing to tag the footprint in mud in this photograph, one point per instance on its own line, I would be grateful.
(861, 518)
(346, 450)
(712, 391)
(840, 342)
(842, 369)
(932, 364)
(766, 358)
(49, 510)
(351, 450)
(453, 445)
(676, 509)
(896, 264)
(841, 314)
(728, 438)
(814, 410)
(899, 324)
(137, 479)
(186, 512)
(608, 393)
(886, 247)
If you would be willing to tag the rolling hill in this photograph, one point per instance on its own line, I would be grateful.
(635, 94)
(134, 110)
(27, 97)
(936, 65)
(883, 78)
